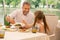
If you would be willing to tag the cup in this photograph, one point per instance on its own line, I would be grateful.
(2, 33)
(34, 29)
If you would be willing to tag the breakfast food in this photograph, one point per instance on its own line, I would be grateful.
(17, 26)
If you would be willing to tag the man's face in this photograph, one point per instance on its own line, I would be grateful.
(26, 9)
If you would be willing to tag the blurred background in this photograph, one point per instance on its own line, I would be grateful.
(47, 6)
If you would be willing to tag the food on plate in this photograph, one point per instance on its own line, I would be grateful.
(17, 24)
(7, 26)
(11, 30)
(22, 30)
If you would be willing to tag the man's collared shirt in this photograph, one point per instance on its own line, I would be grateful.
(18, 16)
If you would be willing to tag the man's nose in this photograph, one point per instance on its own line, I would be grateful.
(27, 9)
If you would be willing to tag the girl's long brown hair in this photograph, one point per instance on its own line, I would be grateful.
(39, 15)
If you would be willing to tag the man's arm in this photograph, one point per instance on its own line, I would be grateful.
(10, 17)
(27, 25)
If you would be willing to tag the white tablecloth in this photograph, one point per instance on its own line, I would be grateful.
(24, 36)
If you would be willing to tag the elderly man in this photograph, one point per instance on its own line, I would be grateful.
(21, 15)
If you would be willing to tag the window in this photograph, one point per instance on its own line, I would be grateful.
(47, 6)
(7, 6)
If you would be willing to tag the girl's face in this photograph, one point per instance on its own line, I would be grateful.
(39, 20)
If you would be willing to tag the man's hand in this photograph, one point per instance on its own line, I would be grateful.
(27, 26)
(23, 21)
(11, 20)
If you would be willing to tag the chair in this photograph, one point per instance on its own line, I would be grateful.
(57, 32)
(52, 21)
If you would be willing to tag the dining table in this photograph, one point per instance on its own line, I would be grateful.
(13, 34)
(24, 36)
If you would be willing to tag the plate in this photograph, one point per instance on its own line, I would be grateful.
(22, 24)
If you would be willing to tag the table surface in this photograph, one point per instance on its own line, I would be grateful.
(21, 35)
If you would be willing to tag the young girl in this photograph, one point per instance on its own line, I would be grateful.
(40, 22)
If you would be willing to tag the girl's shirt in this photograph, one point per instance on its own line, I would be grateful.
(38, 26)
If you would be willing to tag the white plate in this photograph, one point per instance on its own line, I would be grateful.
(22, 24)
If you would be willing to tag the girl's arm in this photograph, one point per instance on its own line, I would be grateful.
(41, 28)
